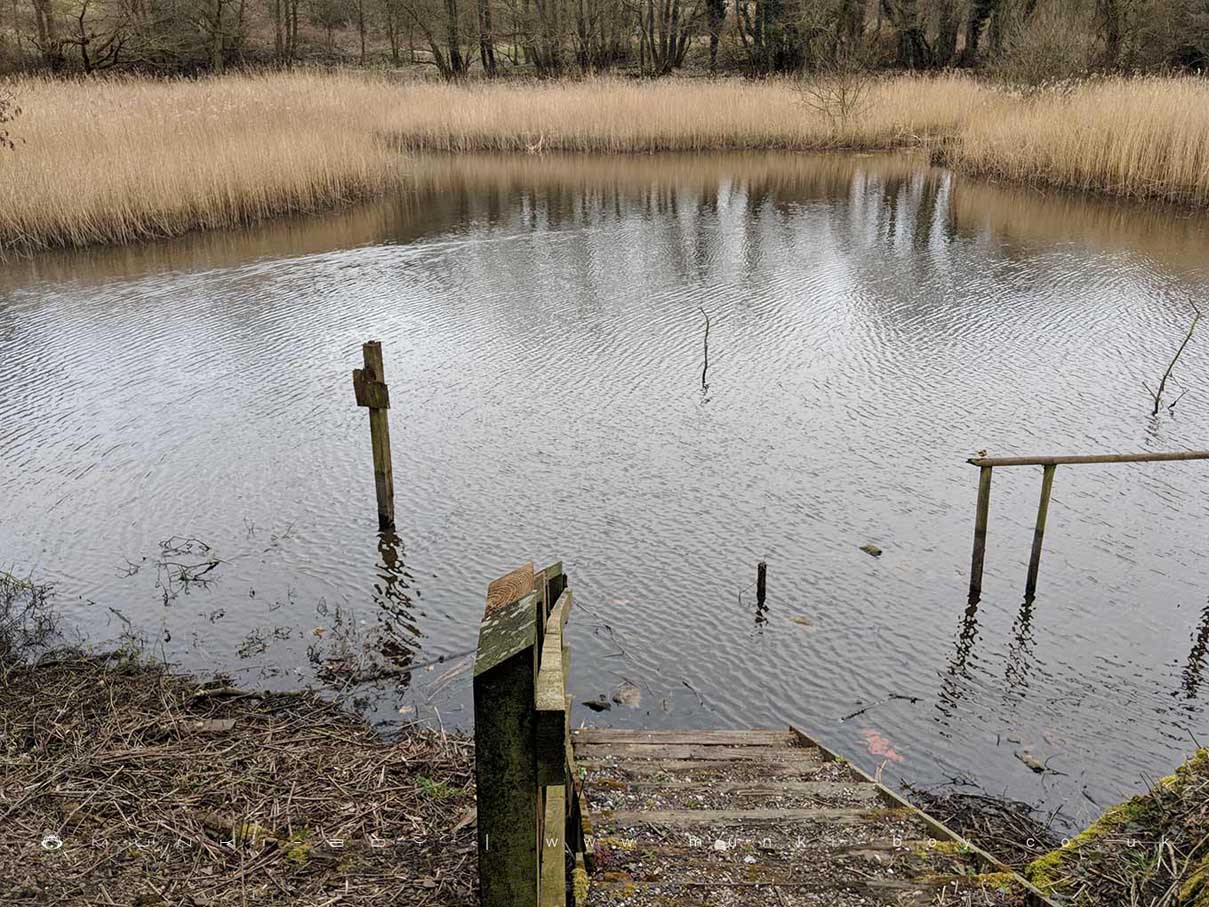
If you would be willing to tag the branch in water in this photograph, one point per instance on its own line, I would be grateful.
(705, 367)
(1158, 395)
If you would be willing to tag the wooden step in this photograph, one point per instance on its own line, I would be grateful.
(721, 818)
(609, 736)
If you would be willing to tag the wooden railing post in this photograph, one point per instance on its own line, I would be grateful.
(529, 799)
(505, 739)
(1034, 564)
(980, 533)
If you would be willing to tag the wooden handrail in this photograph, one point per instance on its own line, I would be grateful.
(529, 798)
(1092, 458)
(987, 464)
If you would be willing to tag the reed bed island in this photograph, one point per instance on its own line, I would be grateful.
(120, 160)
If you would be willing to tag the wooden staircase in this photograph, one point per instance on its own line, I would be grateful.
(758, 818)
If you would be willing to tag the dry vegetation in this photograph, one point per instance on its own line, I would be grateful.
(122, 784)
(120, 160)
(1150, 851)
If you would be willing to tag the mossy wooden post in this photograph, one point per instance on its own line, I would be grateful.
(505, 672)
(980, 532)
(1034, 564)
(369, 385)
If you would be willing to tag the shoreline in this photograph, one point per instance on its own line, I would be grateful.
(179, 157)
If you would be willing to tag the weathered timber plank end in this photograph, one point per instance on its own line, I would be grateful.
(553, 868)
(509, 588)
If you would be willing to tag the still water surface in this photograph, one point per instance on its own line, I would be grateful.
(873, 323)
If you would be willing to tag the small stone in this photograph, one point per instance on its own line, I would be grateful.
(872, 550)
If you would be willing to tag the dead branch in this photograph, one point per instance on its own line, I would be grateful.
(1158, 395)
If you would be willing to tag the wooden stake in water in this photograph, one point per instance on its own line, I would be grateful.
(369, 384)
(761, 578)
(1034, 564)
(980, 533)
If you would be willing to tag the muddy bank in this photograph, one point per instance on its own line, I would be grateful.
(122, 783)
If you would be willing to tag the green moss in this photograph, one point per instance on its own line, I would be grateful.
(1050, 871)
(436, 790)
(297, 849)
(946, 847)
(579, 885)
(1195, 891)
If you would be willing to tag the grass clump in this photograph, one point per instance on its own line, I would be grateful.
(1152, 850)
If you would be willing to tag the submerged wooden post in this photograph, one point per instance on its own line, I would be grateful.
(505, 741)
(980, 532)
(761, 577)
(1034, 564)
(369, 385)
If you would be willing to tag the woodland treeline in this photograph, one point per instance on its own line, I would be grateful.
(557, 38)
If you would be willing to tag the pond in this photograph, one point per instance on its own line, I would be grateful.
(182, 457)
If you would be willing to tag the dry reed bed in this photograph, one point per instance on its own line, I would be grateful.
(122, 784)
(121, 160)
(117, 161)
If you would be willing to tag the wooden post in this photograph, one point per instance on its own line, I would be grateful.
(369, 385)
(761, 576)
(554, 875)
(980, 532)
(505, 740)
(1034, 564)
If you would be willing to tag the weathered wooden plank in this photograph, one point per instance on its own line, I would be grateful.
(637, 752)
(551, 702)
(553, 867)
(854, 790)
(799, 766)
(505, 752)
(987, 462)
(637, 891)
(702, 738)
(721, 817)
(509, 588)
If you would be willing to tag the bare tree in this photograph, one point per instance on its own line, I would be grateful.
(1158, 395)
(839, 88)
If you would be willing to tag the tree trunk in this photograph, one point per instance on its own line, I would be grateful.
(486, 39)
(361, 28)
(947, 26)
(456, 66)
(216, 38)
(1110, 21)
